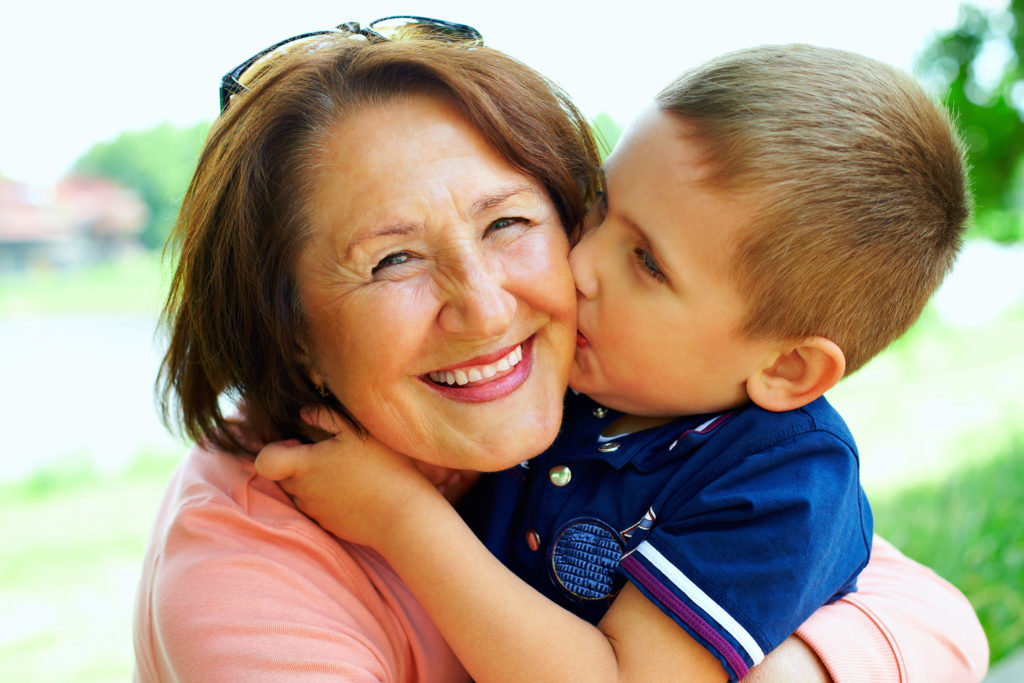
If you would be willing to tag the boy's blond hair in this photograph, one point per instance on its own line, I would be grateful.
(860, 183)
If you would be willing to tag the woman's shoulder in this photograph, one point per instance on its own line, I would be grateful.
(216, 499)
(232, 563)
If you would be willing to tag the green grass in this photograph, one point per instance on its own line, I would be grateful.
(69, 564)
(968, 528)
(136, 283)
(910, 407)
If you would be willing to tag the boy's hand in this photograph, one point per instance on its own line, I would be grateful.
(452, 484)
(355, 488)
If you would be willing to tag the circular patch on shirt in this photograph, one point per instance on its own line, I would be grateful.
(585, 557)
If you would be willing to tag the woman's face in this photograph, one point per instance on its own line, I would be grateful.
(436, 286)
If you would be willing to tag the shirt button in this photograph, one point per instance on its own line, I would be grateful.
(609, 447)
(532, 540)
(600, 412)
(560, 475)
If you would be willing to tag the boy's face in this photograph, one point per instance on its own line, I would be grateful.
(659, 314)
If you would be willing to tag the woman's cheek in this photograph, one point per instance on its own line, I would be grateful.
(545, 259)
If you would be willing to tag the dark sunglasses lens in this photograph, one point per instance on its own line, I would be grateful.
(404, 28)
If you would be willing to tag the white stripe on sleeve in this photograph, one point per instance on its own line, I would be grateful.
(702, 600)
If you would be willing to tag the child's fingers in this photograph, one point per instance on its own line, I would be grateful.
(323, 418)
(435, 474)
(279, 460)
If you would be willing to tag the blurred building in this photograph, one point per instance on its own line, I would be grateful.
(82, 220)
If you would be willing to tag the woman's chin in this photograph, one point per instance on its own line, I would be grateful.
(498, 445)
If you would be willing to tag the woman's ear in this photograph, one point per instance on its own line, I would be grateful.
(797, 375)
(308, 363)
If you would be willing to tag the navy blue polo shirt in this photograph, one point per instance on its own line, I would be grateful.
(738, 526)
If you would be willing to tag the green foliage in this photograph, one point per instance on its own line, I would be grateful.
(987, 99)
(607, 133)
(968, 529)
(158, 163)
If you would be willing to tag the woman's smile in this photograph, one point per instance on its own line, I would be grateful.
(478, 381)
(478, 369)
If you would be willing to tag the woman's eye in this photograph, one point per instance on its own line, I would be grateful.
(397, 258)
(649, 265)
(503, 223)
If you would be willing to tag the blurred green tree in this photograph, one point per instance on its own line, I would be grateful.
(980, 65)
(607, 132)
(157, 163)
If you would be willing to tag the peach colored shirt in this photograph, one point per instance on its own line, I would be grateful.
(904, 623)
(237, 584)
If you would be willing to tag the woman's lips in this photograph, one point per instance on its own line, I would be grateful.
(475, 383)
(475, 372)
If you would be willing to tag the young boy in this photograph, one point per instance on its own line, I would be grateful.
(776, 219)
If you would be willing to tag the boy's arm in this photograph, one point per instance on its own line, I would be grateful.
(499, 627)
(502, 629)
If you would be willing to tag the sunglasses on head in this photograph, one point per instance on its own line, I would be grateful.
(388, 28)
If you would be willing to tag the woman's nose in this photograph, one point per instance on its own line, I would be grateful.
(478, 303)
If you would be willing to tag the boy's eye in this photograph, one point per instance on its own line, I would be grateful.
(649, 265)
(395, 259)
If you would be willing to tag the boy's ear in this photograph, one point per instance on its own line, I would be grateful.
(797, 375)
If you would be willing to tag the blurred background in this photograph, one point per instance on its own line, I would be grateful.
(105, 106)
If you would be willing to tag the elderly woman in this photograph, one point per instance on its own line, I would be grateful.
(345, 161)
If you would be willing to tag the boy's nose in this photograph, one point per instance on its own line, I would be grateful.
(582, 265)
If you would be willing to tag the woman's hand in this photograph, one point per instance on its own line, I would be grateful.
(354, 487)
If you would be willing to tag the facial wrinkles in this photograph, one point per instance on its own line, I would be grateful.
(485, 315)
(326, 280)
(432, 188)
(461, 272)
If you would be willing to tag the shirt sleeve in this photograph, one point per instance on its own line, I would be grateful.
(760, 546)
(905, 624)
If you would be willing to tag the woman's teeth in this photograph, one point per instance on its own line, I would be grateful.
(461, 376)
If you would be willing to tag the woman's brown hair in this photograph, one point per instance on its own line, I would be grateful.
(234, 317)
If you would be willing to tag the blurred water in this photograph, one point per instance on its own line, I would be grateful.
(78, 387)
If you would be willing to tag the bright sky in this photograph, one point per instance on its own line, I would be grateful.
(77, 73)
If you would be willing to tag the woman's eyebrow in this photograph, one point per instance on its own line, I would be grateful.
(386, 230)
(485, 203)
(499, 196)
